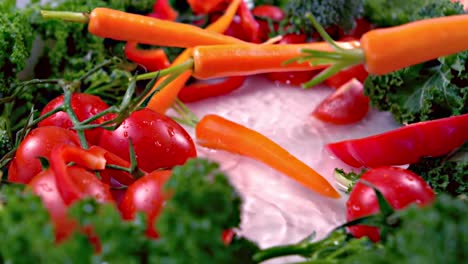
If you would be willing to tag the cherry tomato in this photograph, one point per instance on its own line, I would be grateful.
(400, 188)
(38, 143)
(346, 105)
(145, 195)
(44, 185)
(159, 142)
(84, 106)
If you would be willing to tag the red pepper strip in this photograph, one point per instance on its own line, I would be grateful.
(162, 9)
(151, 59)
(202, 90)
(204, 6)
(404, 145)
(75, 186)
(250, 26)
(121, 176)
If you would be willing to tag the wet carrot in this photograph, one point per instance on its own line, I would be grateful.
(164, 99)
(216, 132)
(414, 43)
(385, 50)
(118, 25)
(232, 60)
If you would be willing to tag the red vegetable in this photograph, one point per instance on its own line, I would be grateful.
(38, 143)
(162, 9)
(76, 184)
(145, 195)
(201, 89)
(269, 12)
(45, 186)
(159, 142)
(150, 59)
(204, 6)
(84, 106)
(404, 145)
(249, 25)
(346, 105)
(358, 72)
(400, 188)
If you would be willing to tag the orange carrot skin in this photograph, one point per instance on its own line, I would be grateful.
(217, 132)
(390, 49)
(235, 60)
(164, 99)
(118, 25)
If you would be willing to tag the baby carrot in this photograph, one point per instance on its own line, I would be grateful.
(385, 50)
(118, 25)
(231, 60)
(216, 132)
(164, 99)
(414, 43)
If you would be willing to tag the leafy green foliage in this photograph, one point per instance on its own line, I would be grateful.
(203, 205)
(341, 13)
(16, 36)
(433, 234)
(28, 236)
(384, 13)
(422, 92)
(447, 174)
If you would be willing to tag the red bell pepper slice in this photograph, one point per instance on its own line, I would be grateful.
(162, 9)
(150, 59)
(249, 25)
(74, 185)
(205, 6)
(202, 90)
(404, 145)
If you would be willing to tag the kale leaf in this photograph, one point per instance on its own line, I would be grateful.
(422, 92)
(385, 13)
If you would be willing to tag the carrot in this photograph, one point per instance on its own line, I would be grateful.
(164, 99)
(118, 25)
(232, 60)
(215, 132)
(414, 43)
(389, 49)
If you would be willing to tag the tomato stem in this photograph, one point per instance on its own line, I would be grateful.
(71, 113)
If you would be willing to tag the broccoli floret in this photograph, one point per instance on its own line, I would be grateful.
(423, 92)
(384, 13)
(341, 13)
(447, 174)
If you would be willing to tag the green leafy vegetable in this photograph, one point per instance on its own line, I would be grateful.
(202, 206)
(341, 13)
(422, 92)
(447, 174)
(385, 13)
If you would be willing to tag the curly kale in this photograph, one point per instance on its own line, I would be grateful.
(422, 92)
(16, 37)
(341, 13)
(433, 234)
(203, 205)
(385, 13)
(447, 174)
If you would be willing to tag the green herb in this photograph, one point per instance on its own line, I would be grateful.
(447, 174)
(422, 92)
(202, 206)
(384, 13)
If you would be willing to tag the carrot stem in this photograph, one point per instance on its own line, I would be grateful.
(66, 16)
(187, 65)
